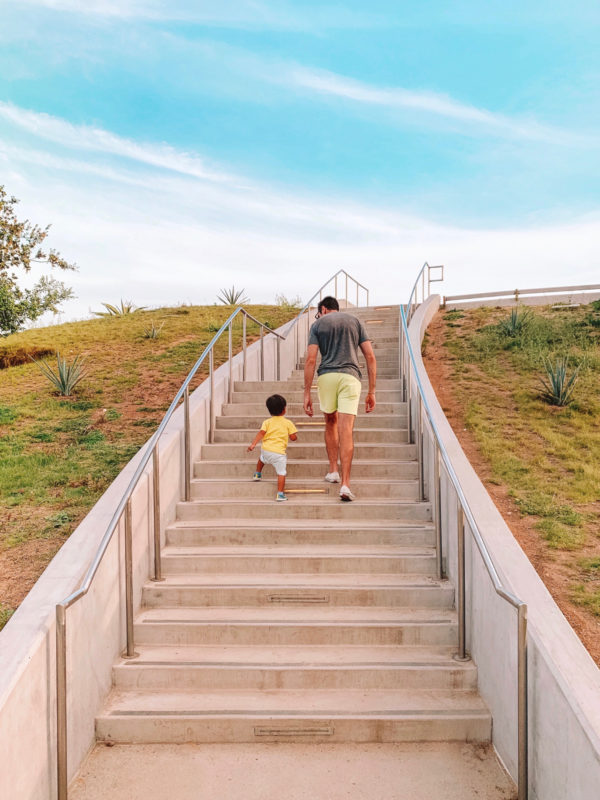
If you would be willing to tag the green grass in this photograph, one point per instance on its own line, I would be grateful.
(58, 455)
(547, 457)
(5, 614)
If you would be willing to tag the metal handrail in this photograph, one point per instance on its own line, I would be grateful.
(124, 505)
(414, 295)
(464, 511)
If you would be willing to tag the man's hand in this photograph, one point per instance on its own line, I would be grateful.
(370, 402)
(308, 406)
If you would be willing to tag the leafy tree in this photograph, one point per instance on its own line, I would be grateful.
(20, 247)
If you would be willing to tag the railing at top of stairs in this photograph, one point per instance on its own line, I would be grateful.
(340, 281)
(440, 457)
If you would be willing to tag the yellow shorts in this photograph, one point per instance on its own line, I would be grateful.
(338, 391)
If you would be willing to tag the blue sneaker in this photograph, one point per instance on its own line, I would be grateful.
(281, 496)
(257, 476)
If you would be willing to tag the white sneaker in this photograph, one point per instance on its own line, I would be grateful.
(346, 494)
(332, 477)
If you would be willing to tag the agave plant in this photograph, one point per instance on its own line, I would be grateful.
(126, 307)
(231, 297)
(516, 323)
(558, 388)
(153, 332)
(66, 377)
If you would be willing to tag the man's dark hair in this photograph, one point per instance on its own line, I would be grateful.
(330, 303)
(276, 405)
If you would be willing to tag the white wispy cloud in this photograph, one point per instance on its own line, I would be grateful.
(438, 105)
(276, 14)
(161, 233)
(86, 137)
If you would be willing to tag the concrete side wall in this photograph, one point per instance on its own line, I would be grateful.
(564, 682)
(95, 624)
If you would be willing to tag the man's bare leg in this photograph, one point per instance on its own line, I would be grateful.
(332, 440)
(345, 427)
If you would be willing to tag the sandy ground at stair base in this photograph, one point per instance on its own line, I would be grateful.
(419, 771)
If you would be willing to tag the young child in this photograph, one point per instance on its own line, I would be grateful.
(273, 437)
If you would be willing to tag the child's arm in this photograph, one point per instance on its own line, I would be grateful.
(259, 436)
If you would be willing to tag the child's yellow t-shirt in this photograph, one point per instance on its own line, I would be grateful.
(277, 431)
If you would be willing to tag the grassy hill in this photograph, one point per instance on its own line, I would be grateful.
(540, 462)
(57, 454)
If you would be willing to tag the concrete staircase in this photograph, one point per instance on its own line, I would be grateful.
(311, 620)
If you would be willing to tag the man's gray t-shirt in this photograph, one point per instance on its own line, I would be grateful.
(338, 335)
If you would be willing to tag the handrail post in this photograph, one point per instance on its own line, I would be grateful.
(61, 702)
(367, 297)
(346, 289)
(411, 438)
(356, 282)
(523, 736)
(211, 402)
(297, 346)
(156, 510)
(437, 483)
(420, 448)
(462, 645)
(186, 444)
(278, 355)
(262, 353)
(336, 288)
(230, 352)
(130, 649)
(244, 345)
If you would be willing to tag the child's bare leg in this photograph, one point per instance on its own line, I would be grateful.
(281, 483)
(259, 465)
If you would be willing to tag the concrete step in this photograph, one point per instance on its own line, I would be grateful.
(312, 435)
(301, 559)
(215, 488)
(281, 387)
(282, 589)
(296, 396)
(293, 668)
(275, 532)
(387, 372)
(299, 451)
(320, 715)
(305, 507)
(305, 624)
(296, 410)
(254, 421)
(307, 469)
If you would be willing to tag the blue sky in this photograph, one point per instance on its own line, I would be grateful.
(180, 146)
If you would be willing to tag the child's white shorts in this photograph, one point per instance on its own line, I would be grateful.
(276, 460)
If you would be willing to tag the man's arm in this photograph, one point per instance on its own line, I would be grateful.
(309, 373)
(367, 349)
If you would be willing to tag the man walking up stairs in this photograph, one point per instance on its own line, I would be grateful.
(306, 621)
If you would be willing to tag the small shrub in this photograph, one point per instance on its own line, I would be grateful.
(293, 304)
(558, 388)
(153, 332)
(232, 297)
(515, 324)
(67, 376)
(112, 414)
(59, 519)
(126, 307)
(213, 326)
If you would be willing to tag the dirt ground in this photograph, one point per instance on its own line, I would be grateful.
(552, 566)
